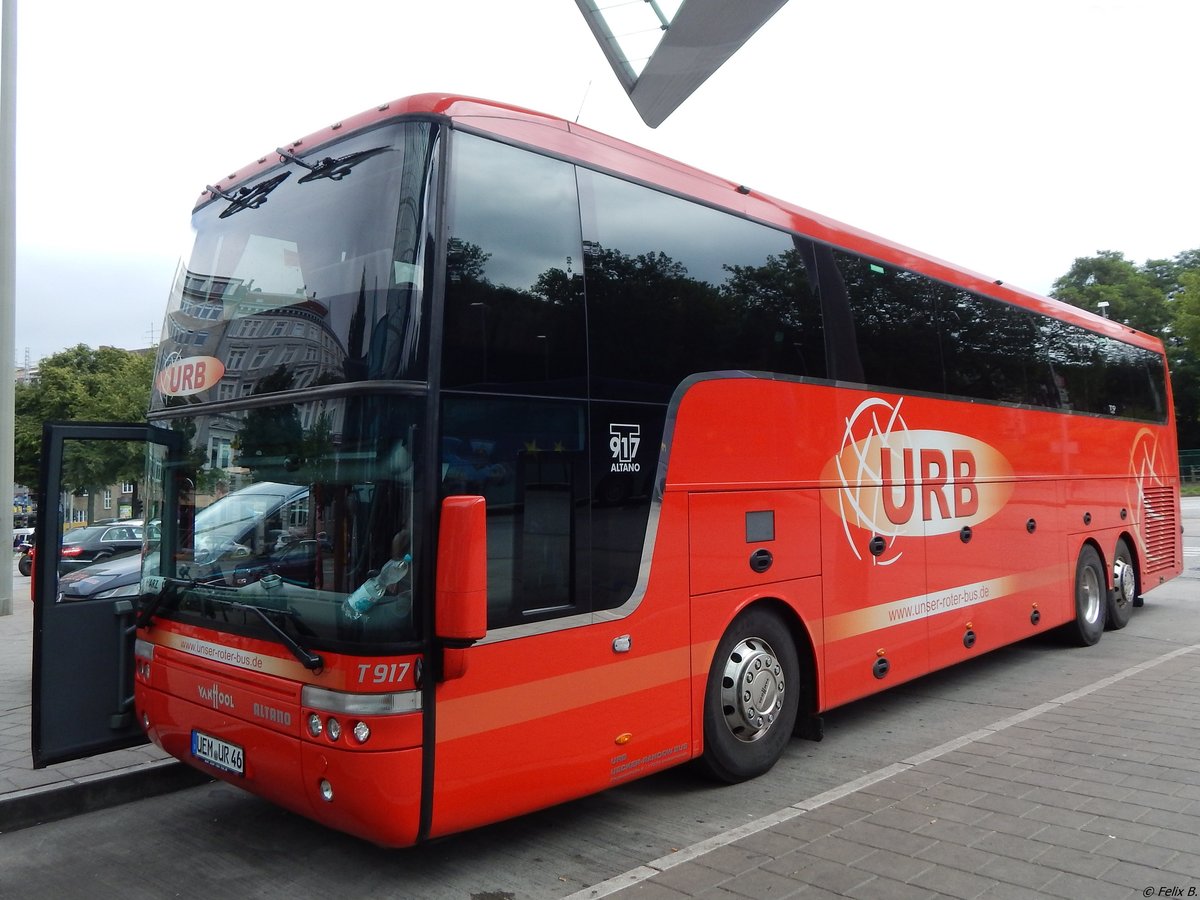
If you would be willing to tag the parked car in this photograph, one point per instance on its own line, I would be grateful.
(233, 547)
(23, 545)
(119, 576)
(94, 543)
(25, 562)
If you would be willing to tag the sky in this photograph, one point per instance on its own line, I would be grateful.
(1010, 138)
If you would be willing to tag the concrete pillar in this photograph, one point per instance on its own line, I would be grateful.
(8, 282)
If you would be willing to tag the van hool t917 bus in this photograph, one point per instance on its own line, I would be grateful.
(494, 461)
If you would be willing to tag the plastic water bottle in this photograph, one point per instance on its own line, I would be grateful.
(368, 594)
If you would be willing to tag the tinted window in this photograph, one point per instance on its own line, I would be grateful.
(626, 439)
(1135, 378)
(675, 288)
(527, 458)
(514, 304)
(893, 318)
(1099, 375)
(994, 351)
(913, 333)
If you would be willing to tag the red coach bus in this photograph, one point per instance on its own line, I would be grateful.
(494, 462)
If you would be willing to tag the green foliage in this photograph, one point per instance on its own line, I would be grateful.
(1187, 309)
(1135, 295)
(1161, 297)
(83, 385)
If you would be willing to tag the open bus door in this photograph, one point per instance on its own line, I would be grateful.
(83, 663)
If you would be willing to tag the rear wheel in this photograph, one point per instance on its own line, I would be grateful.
(25, 565)
(752, 697)
(1124, 595)
(1090, 600)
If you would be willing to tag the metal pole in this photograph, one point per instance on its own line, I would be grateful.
(8, 282)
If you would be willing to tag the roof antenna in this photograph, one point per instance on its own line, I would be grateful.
(583, 101)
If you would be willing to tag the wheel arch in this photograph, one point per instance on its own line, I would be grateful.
(806, 650)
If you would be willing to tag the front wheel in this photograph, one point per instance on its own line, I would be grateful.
(25, 565)
(1091, 602)
(752, 697)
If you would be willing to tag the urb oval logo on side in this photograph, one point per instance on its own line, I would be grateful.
(899, 482)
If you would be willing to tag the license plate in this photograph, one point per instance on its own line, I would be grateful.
(216, 752)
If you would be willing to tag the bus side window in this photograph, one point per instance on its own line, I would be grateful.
(527, 457)
(675, 289)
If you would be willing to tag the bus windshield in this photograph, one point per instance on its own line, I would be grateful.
(312, 275)
(306, 504)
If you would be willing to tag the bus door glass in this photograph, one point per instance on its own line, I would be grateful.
(92, 535)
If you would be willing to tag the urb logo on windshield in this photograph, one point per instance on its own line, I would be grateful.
(624, 445)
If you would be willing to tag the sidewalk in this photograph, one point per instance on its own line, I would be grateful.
(1093, 794)
(29, 795)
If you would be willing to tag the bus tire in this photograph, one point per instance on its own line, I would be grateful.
(1091, 604)
(752, 697)
(1123, 597)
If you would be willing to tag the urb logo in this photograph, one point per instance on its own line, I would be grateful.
(900, 482)
(624, 445)
(215, 696)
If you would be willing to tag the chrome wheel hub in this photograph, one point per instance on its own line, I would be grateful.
(1124, 581)
(752, 689)
(1090, 595)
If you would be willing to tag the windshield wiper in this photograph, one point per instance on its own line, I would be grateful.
(307, 658)
(158, 584)
(247, 197)
(329, 167)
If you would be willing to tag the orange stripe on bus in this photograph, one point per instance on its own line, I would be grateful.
(490, 710)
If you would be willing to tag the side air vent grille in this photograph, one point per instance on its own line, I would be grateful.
(1161, 528)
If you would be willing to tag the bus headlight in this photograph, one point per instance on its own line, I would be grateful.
(361, 732)
(314, 725)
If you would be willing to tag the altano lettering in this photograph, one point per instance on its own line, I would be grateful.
(271, 714)
(899, 482)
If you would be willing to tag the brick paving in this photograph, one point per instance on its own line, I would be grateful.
(1095, 794)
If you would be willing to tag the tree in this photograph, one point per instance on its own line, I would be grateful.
(1108, 284)
(1183, 348)
(82, 384)
(1187, 309)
